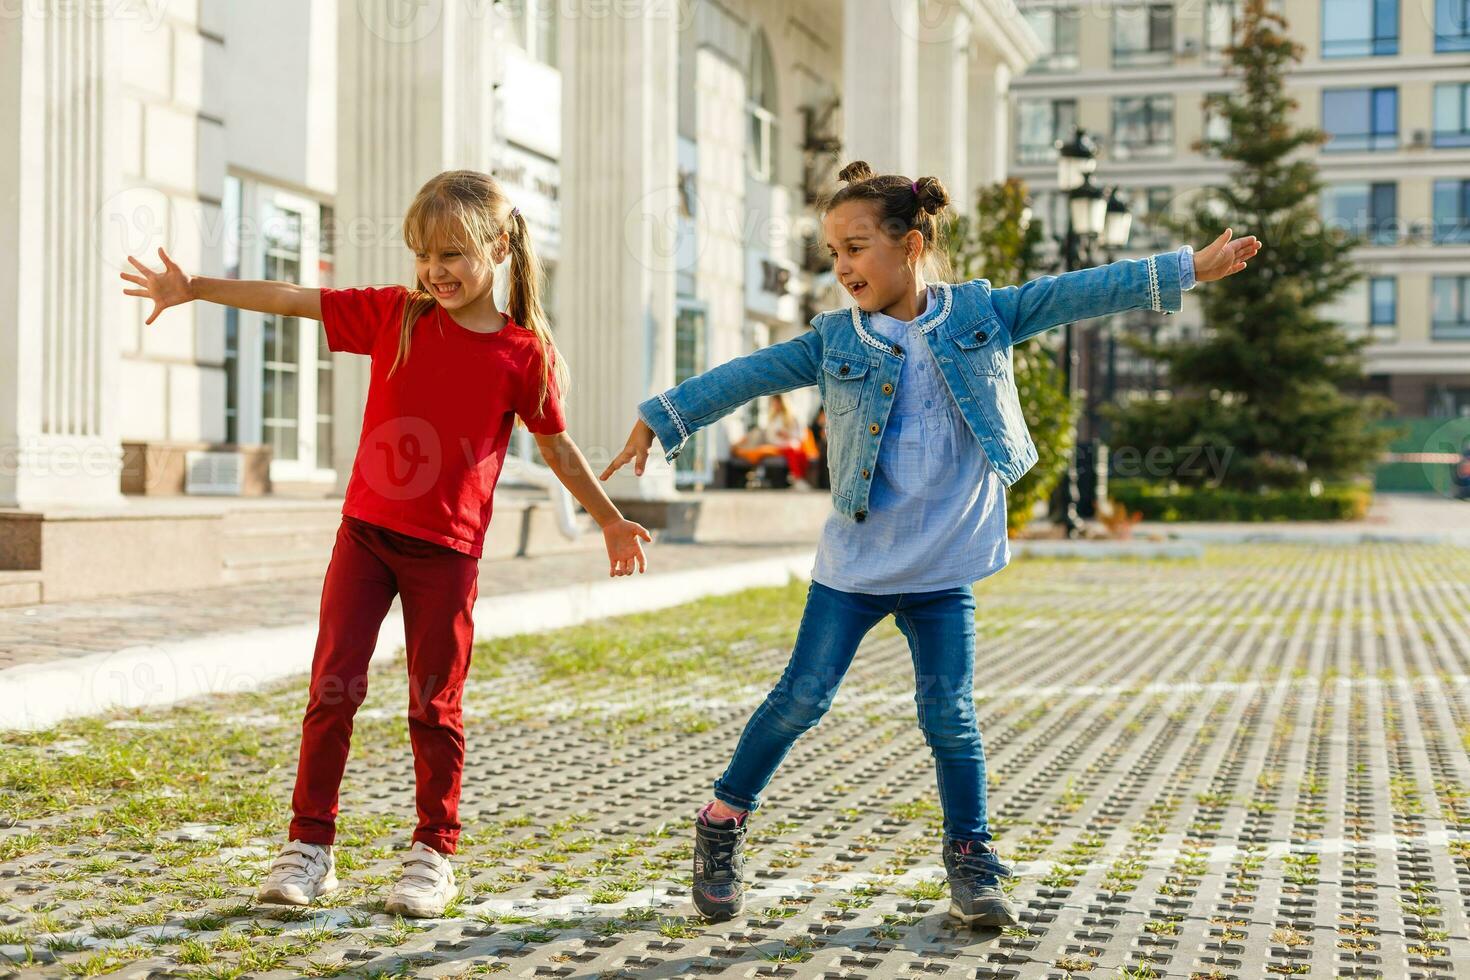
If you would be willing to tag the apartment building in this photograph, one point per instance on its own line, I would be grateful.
(1389, 81)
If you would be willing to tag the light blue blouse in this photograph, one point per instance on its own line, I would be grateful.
(937, 510)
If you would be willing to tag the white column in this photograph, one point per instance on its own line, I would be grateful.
(58, 436)
(619, 220)
(989, 111)
(880, 84)
(415, 97)
(943, 103)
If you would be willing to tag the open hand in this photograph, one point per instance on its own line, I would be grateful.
(639, 443)
(623, 547)
(167, 288)
(1224, 257)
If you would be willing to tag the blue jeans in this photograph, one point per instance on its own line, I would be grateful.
(940, 628)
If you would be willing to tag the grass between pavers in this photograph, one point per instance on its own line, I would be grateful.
(102, 811)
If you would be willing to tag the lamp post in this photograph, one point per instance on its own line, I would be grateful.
(1092, 214)
(1116, 227)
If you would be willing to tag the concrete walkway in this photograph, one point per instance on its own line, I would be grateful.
(63, 660)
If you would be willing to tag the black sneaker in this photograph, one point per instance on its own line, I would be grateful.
(719, 859)
(975, 895)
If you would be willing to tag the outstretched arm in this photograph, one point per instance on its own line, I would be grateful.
(173, 286)
(620, 535)
(1128, 284)
(678, 413)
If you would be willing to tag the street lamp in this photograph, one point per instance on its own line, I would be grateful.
(1118, 223)
(1076, 158)
(1092, 215)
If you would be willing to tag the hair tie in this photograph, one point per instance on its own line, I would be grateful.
(515, 212)
(915, 188)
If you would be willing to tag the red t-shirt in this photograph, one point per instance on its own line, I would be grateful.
(434, 435)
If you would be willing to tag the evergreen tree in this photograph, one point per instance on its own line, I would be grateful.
(1261, 387)
(998, 245)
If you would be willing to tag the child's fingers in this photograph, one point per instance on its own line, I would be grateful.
(642, 561)
(132, 278)
(147, 272)
(616, 464)
(136, 292)
(157, 309)
(168, 263)
(641, 461)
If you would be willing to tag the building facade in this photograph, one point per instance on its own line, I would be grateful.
(666, 154)
(1388, 81)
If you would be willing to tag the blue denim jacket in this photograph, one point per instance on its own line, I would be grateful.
(970, 334)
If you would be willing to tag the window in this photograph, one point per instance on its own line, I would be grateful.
(691, 357)
(1143, 127)
(1363, 210)
(1361, 118)
(761, 109)
(1149, 205)
(1383, 301)
(279, 375)
(1359, 28)
(1452, 114)
(533, 26)
(1452, 25)
(231, 215)
(1143, 35)
(1452, 212)
(281, 336)
(1451, 308)
(1367, 307)
(1216, 127)
(1049, 208)
(326, 263)
(1040, 123)
(1220, 18)
(1057, 28)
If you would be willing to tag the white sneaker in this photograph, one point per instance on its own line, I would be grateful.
(299, 874)
(801, 484)
(426, 885)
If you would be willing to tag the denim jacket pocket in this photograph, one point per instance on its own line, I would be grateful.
(844, 378)
(982, 346)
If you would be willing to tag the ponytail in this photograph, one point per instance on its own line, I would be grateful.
(524, 305)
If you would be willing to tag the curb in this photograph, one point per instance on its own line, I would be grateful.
(1107, 549)
(1333, 538)
(34, 696)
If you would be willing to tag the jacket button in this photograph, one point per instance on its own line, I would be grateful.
(865, 474)
(873, 428)
(845, 369)
(888, 389)
(980, 336)
(861, 515)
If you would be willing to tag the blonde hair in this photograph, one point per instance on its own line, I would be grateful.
(468, 209)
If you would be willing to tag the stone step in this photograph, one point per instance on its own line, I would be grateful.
(20, 588)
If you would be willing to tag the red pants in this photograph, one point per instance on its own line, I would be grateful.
(796, 461)
(370, 565)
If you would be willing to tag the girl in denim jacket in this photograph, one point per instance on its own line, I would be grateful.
(925, 432)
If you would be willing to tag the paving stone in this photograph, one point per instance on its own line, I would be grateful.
(1253, 765)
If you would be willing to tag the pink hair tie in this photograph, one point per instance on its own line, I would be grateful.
(915, 188)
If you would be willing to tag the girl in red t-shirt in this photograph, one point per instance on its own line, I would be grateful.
(450, 374)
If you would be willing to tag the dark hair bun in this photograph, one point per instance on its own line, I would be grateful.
(933, 198)
(856, 172)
